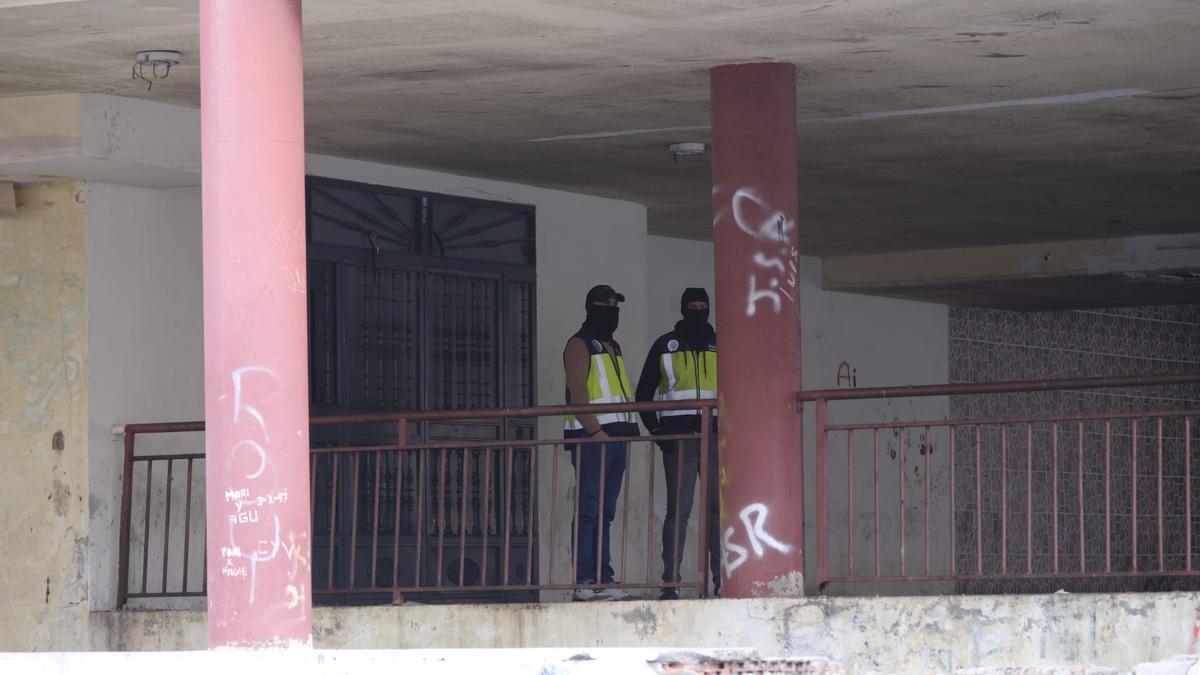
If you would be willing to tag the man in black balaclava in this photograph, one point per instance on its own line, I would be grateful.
(682, 365)
(595, 374)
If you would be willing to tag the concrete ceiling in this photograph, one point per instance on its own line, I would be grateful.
(466, 85)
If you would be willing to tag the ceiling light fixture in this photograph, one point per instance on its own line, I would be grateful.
(684, 152)
(160, 62)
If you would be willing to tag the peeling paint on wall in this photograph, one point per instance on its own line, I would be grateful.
(43, 319)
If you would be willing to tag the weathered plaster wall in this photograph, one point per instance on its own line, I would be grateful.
(936, 634)
(43, 420)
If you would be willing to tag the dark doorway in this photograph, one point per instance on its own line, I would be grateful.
(418, 301)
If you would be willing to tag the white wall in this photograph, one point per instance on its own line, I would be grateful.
(145, 338)
(676, 264)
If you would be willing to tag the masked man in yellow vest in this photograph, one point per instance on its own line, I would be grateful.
(595, 374)
(681, 365)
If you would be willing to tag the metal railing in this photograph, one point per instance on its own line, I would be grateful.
(1071, 496)
(442, 502)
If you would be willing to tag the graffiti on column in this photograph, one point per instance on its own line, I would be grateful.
(754, 520)
(772, 286)
(774, 281)
(255, 532)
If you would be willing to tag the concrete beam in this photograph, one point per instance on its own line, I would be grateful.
(101, 138)
(1061, 274)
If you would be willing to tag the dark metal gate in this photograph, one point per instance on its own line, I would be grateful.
(418, 302)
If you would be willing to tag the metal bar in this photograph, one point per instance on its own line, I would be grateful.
(333, 490)
(600, 514)
(508, 487)
(978, 503)
(530, 525)
(146, 526)
(913, 391)
(474, 445)
(1011, 577)
(1133, 476)
(123, 551)
(1082, 542)
(577, 450)
(1107, 496)
(1004, 500)
(1187, 470)
(441, 515)
(850, 501)
(396, 512)
(903, 475)
(675, 553)
(473, 414)
(510, 587)
(877, 554)
(1054, 479)
(822, 437)
(187, 524)
(649, 517)
(953, 506)
(167, 528)
(1161, 556)
(1029, 499)
(487, 520)
(354, 516)
(168, 457)
(375, 524)
(702, 520)
(418, 573)
(928, 480)
(625, 513)
(993, 421)
(462, 521)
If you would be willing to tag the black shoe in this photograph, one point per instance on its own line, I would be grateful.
(669, 593)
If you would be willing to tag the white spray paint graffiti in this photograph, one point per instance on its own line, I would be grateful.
(265, 550)
(754, 517)
(772, 229)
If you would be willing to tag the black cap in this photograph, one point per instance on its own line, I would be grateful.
(602, 293)
(692, 295)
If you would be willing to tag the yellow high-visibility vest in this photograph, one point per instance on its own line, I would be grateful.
(607, 382)
(685, 375)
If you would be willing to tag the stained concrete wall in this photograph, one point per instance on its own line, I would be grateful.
(935, 634)
(43, 420)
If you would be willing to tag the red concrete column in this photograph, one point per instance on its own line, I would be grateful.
(758, 320)
(255, 324)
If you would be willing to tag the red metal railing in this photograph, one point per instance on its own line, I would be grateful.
(1074, 496)
(419, 495)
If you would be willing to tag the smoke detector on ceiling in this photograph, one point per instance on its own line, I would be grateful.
(685, 152)
(159, 61)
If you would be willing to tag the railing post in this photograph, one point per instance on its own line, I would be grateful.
(126, 521)
(822, 415)
(702, 547)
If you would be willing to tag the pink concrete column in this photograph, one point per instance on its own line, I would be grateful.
(758, 320)
(255, 324)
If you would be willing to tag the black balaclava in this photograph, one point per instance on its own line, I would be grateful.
(602, 320)
(694, 326)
